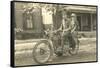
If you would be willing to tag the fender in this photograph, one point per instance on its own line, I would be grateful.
(48, 40)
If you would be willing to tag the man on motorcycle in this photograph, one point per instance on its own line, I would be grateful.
(73, 28)
(68, 26)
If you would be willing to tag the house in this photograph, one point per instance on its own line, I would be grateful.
(87, 19)
(34, 27)
(29, 23)
(86, 16)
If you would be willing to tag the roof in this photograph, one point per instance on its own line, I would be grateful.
(82, 9)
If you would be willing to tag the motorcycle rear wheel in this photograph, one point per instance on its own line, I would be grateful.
(74, 50)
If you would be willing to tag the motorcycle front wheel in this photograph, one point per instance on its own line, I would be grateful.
(42, 52)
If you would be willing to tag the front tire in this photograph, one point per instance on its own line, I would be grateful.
(42, 52)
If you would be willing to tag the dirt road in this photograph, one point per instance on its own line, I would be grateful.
(87, 52)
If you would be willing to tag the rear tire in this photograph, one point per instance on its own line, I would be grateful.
(74, 50)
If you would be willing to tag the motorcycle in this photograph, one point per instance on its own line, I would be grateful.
(53, 43)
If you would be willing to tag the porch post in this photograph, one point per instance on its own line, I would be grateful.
(81, 23)
(91, 22)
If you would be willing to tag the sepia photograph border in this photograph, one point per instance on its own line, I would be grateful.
(12, 36)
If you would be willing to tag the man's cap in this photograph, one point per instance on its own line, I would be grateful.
(73, 15)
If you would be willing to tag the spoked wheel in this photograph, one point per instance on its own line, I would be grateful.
(42, 52)
(74, 49)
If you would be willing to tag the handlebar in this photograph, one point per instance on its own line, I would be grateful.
(53, 32)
